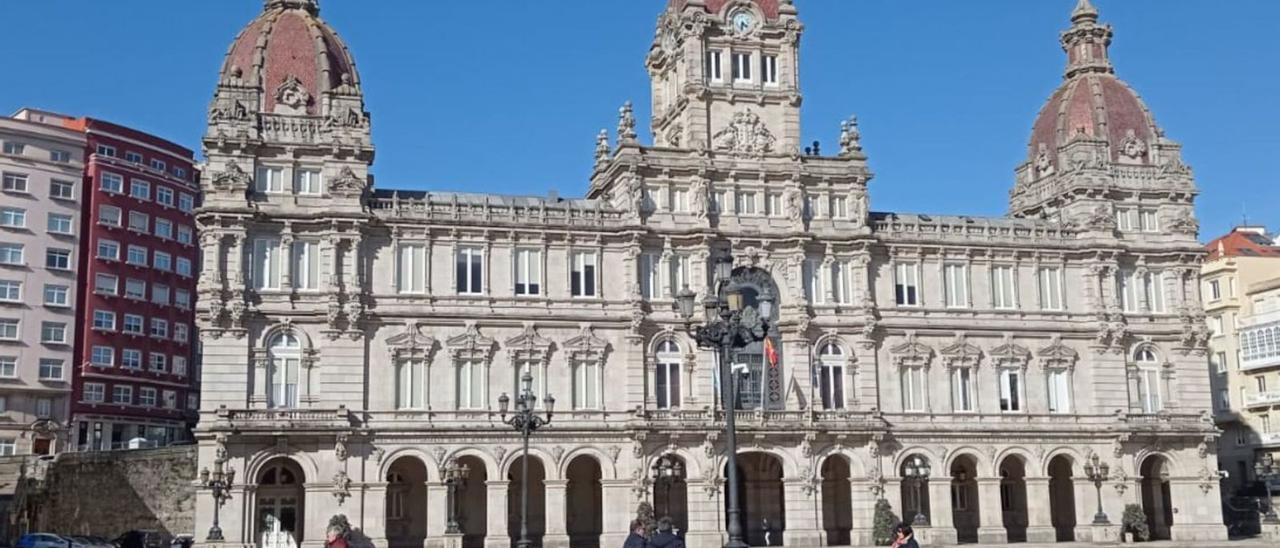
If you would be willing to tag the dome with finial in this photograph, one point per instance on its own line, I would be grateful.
(1092, 103)
(292, 56)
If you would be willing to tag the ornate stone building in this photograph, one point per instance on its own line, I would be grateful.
(357, 340)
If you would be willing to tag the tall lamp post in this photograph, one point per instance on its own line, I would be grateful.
(917, 471)
(728, 325)
(455, 477)
(219, 482)
(666, 471)
(526, 422)
(1266, 470)
(1097, 472)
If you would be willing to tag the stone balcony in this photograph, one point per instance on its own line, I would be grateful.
(279, 420)
(1270, 439)
(1262, 399)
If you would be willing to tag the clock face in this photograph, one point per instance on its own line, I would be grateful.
(743, 21)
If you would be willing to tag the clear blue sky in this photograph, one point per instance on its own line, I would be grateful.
(508, 97)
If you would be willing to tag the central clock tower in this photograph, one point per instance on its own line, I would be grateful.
(725, 77)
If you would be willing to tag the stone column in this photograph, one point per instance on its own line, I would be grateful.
(1039, 517)
(557, 535)
(497, 535)
(374, 522)
(616, 510)
(319, 505)
(991, 520)
(286, 261)
(803, 516)
(862, 500)
(258, 399)
(893, 494)
(942, 523)
(706, 514)
(437, 513)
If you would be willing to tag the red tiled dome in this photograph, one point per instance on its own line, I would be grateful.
(289, 40)
(768, 7)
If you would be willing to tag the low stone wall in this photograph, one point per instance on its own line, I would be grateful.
(108, 493)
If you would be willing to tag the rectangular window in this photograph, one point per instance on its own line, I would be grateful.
(1059, 391)
(1215, 290)
(180, 173)
(164, 196)
(528, 276)
(956, 281)
(57, 295)
(44, 408)
(132, 157)
(719, 201)
(103, 356)
(108, 250)
(164, 229)
(62, 190)
(170, 399)
(105, 284)
(411, 268)
(666, 381)
(9, 329)
(135, 289)
(107, 150)
(962, 388)
(1149, 390)
(1010, 390)
(713, 71)
(842, 282)
(184, 235)
(270, 179)
(471, 383)
(180, 332)
(815, 283)
(1153, 286)
(10, 291)
(51, 369)
(111, 182)
(266, 263)
(586, 384)
(139, 222)
(109, 215)
(306, 265)
(132, 324)
(411, 384)
(13, 148)
(1224, 400)
(53, 333)
(913, 389)
(57, 259)
(831, 385)
(60, 156)
(94, 392)
(140, 190)
(1128, 291)
(307, 182)
(745, 203)
(179, 366)
(8, 367)
(60, 224)
(1221, 361)
(159, 328)
(13, 182)
(582, 277)
(906, 284)
(131, 359)
(11, 254)
(1051, 288)
(679, 200)
(839, 207)
(649, 281)
(182, 298)
(1148, 220)
(469, 271)
(159, 362)
(12, 217)
(147, 397)
(1003, 292)
(681, 267)
(137, 255)
(773, 204)
(186, 202)
(1127, 219)
(741, 67)
(158, 165)
(769, 69)
(122, 395)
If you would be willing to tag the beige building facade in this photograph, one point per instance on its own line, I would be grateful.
(356, 340)
(42, 166)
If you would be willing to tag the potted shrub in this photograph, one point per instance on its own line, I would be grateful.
(1133, 526)
(884, 523)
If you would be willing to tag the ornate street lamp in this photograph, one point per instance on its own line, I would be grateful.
(1266, 470)
(917, 471)
(526, 422)
(219, 483)
(455, 477)
(666, 472)
(728, 325)
(1097, 472)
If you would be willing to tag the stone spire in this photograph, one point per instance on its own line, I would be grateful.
(311, 6)
(1086, 42)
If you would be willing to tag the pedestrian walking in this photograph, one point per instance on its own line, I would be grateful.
(666, 536)
(636, 538)
(905, 537)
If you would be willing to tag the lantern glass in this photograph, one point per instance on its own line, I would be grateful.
(504, 402)
(551, 404)
(735, 301)
(685, 302)
(766, 306)
(724, 269)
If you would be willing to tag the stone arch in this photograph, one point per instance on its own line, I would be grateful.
(692, 465)
(682, 342)
(790, 468)
(1077, 460)
(490, 464)
(857, 468)
(271, 331)
(548, 463)
(253, 465)
(433, 467)
(907, 452)
(986, 468)
(1175, 467)
(1029, 462)
(832, 338)
(606, 464)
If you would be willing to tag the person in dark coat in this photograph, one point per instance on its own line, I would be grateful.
(636, 538)
(666, 537)
(905, 537)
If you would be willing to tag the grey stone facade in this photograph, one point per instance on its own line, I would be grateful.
(357, 340)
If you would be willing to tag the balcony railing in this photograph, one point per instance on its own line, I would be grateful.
(1263, 398)
(1269, 439)
(1248, 365)
(285, 418)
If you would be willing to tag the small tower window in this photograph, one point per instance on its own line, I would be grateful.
(769, 69)
(713, 65)
(741, 67)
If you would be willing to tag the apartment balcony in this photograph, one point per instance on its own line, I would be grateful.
(1260, 363)
(1271, 439)
(1262, 399)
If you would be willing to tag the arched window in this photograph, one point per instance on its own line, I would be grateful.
(830, 373)
(284, 356)
(279, 505)
(666, 374)
(1148, 366)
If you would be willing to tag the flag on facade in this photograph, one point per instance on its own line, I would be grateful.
(770, 352)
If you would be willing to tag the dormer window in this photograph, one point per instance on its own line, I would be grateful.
(769, 70)
(713, 72)
(741, 67)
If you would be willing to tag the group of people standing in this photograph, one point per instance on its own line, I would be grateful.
(665, 537)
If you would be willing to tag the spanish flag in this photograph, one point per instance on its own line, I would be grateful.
(770, 352)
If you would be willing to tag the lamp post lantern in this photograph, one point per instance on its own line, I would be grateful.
(219, 483)
(1266, 470)
(666, 471)
(1097, 472)
(917, 471)
(526, 421)
(728, 325)
(455, 477)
